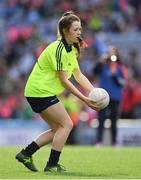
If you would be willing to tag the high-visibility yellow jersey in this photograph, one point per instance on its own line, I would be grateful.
(43, 80)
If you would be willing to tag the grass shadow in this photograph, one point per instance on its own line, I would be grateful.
(71, 175)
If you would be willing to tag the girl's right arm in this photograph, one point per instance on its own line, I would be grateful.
(69, 86)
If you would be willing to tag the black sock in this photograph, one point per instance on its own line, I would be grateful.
(30, 149)
(53, 158)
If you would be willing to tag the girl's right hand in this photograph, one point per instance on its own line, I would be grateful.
(92, 104)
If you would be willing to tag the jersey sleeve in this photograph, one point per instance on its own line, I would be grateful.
(61, 60)
(63, 64)
(65, 61)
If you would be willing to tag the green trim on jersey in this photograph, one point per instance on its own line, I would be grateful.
(43, 80)
(58, 56)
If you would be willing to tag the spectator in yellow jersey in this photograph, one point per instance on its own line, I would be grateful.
(48, 79)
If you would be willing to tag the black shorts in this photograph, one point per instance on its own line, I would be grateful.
(38, 104)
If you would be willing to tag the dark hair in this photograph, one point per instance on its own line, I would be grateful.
(65, 22)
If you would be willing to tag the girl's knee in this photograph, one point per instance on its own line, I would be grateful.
(69, 125)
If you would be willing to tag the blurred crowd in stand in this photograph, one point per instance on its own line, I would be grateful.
(28, 26)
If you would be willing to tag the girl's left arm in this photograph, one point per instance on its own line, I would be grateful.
(82, 80)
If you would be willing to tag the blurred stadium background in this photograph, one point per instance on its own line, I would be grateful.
(28, 26)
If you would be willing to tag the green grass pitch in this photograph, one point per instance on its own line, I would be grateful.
(82, 162)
